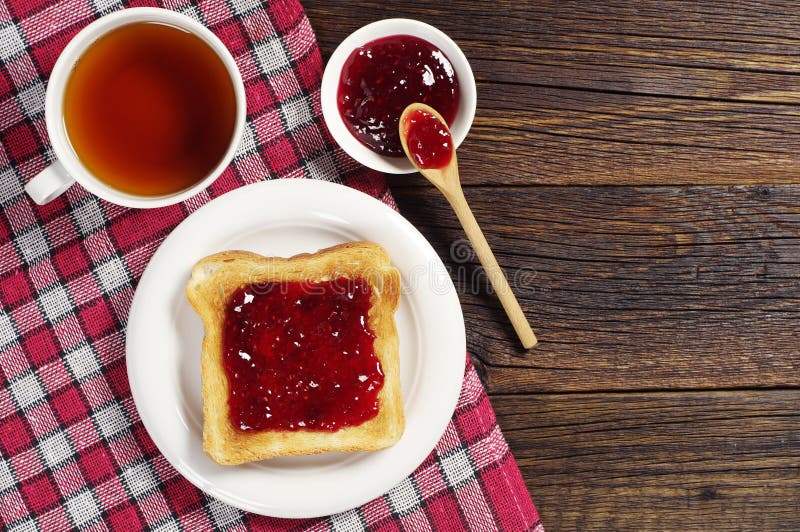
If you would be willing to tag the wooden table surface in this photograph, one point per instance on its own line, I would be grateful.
(632, 164)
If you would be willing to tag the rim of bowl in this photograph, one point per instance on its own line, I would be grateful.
(385, 28)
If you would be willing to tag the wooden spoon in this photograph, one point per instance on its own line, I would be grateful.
(446, 179)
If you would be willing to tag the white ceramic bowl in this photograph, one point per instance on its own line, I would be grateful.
(377, 30)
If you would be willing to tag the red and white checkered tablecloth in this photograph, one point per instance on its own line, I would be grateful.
(73, 451)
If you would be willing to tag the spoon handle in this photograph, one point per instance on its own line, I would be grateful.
(498, 279)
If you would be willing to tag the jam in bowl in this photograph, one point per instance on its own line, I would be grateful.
(383, 77)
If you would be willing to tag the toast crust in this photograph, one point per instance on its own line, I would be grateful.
(212, 282)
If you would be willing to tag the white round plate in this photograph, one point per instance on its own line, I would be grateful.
(283, 218)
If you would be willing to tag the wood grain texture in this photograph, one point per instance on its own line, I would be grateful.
(629, 288)
(678, 48)
(659, 461)
(663, 394)
(617, 92)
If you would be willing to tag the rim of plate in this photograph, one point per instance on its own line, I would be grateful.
(343, 204)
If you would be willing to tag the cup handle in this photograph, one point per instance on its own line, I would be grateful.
(48, 184)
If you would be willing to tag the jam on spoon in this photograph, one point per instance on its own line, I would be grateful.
(383, 77)
(300, 356)
(429, 142)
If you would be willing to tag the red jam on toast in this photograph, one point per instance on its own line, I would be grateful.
(300, 356)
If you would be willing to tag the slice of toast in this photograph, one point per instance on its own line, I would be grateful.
(215, 278)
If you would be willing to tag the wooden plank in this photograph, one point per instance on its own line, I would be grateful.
(659, 461)
(617, 93)
(692, 49)
(524, 135)
(629, 288)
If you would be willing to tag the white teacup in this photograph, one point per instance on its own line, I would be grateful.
(68, 169)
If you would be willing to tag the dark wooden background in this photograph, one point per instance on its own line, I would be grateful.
(632, 164)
